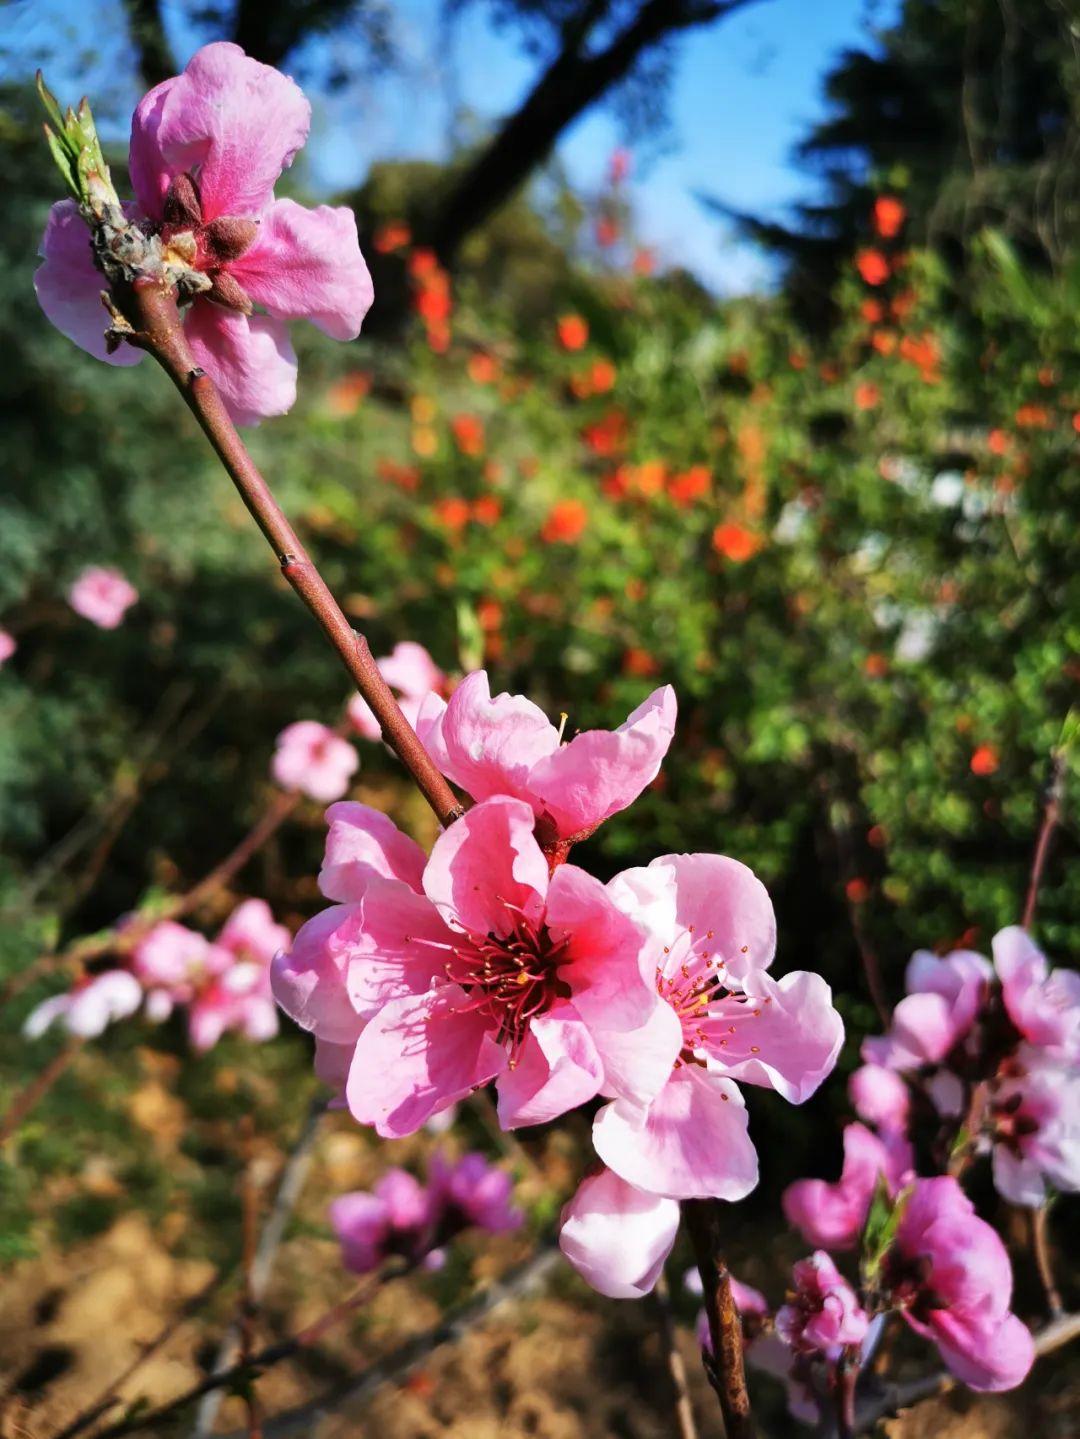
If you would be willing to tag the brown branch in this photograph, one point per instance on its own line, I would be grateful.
(1051, 817)
(726, 1371)
(249, 1300)
(151, 308)
(122, 939)
(29, 1097)
(684, 1409)
(1040, 1243)
(894, 1397)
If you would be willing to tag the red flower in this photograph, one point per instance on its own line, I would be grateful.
(565, 523)
(602, 376)
(453, 513)
(390, 237)
(468, 432)
(690, 485)
(735, 542)
(344, 396)
(867, 395)
(573, 332)
(985, 760)
(487, 509)
(483, 368)
(889, 216)
(644, 263)
(857, 891)
(872, 266)
(607, 231)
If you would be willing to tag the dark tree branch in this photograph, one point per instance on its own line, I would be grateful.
(147, 31)
(573, 82)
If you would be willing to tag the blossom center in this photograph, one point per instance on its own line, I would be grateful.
(511, 978)
(692, 978)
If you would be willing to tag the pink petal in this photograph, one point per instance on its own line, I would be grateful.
(557, 1070)
(880, 1097)
(922, 1032)
(251, 930)
(362, 1225)
(249, 358)
(488, 866)
(988, 1358)
(618, 1237)
(235, 123)
(361, 842)
(69, 286)
(403, 945)
(411, 670)
(488, 746)
(783, 1035)
(692, 1144)
(602, 771)
(832, 1215)
(307, 265)
(309, 982)
(416, 1057)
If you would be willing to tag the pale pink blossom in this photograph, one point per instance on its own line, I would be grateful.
(711, 935)
(481, 966)
(412, 674)
(102, 595)
(948, 1272)
(7, 646)
(880, 1097)
(1043, 1003)
(1034, 1124)
(617, 1237)
(207, 148)
(943, 998)
(310, 757)
(832, 1216)
(89, 1008)
(405, 1218)
(394, 1218)
(823, 1313)
(472, 1193)
(507, 745)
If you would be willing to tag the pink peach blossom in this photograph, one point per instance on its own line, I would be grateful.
(823, 1314)
(1043, 1004)
(101, 595)
(949, 1274)
(1034, 1119)
(711, 935)
(313, 759)
(943, 998)
(486, 967)
(832, 1215)
(411, 672)
(617, 1237)
(472, 1193)
(395, 1218)
(7, 646)
(207, 148)
(507, 745)
(90, 1007)
(880, 1098)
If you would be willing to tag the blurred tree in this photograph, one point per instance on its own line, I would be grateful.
(969, 108)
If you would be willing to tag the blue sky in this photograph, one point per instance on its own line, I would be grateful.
(744, 92)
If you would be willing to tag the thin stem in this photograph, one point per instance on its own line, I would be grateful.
(29, 1097)
(158, 330)
(1040, 1243)
(971, 1129)
(684, 1409)
(726, 1372)
(249, 1300)
(846, 1376)
(1055, 794)
(255, 1363)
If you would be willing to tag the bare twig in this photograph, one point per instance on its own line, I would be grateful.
(726, 1371)
(151, 308)
(39, 1086)
(892, 1398)
(1040, 1243)
(684, 1409)
(110, 1395)
(1055, 794)
(290, 1187)
(249, 1302)
(525, 1279)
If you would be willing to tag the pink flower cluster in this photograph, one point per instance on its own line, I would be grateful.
(493, 959)
(311, 758)
(402, 1217)
(224, 984)
(411, 672)
(102, 596)
(207, 148)
(1012, 1029)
